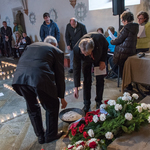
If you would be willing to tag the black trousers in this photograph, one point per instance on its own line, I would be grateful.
(7, 48)
(86, 69)
(50, 104)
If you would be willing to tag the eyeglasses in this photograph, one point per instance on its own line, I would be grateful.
(140, 18)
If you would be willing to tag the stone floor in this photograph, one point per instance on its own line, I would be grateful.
(16, 132)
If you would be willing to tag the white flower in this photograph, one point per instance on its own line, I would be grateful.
(148, 106)
(78, 142)
(91, 133)
(148, 119)
(139, 108)
(144, 106)
(80, 147)
(126, 94)
(128, 116)
(95, 118)
(129, 103)
(109, 135)
(70, 145)
(102, 117)
(134, 95)
(111, 102)
(103, 106)
(126, 98)
(118, 107)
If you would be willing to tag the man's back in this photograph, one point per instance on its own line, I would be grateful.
(40, 66)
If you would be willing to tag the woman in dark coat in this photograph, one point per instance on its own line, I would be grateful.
(126, 41)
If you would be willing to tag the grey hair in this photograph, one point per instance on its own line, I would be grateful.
(50, 39)
(86, 44)
(75, 20)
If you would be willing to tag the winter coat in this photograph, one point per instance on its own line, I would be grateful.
(125, 43)
(72, 35)
(46, 31)
(99, 54)
(42, 66)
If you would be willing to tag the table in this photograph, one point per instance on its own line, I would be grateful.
(136, 70)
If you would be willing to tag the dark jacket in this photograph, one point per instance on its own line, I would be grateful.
(53, 31)
(125, 43)
(72, 35)
(99, 54)
(7, 32)
(42, 66)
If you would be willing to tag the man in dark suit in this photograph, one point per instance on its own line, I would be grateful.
(40, 72)
(74, 31)
(6, 33)
(94, 45)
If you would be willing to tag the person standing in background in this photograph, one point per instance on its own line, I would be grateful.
(143, 43)
(6, 33)
(74, 31)
(49, 27)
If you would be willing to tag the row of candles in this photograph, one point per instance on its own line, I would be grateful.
(15, 114)
(5, 64)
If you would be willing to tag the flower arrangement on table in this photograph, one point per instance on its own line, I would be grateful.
(99, 128)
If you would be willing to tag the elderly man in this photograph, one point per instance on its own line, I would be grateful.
(40, 73)
(93, 45)
(74, 31)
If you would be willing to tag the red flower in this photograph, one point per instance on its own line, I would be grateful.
(93, 144)
(86, 121)
(71, 147)
(106, 101)
(81, 128)
(85, 134)
(74, 131)
(90, 118)
(83, 143)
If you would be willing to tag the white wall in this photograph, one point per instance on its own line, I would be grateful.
(93, 20)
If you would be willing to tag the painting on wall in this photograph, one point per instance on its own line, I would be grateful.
(32, 18)
(53, 14)
(80, 11)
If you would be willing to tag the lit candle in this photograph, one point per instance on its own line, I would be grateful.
(14, 114)
(8, 117)
(66, 93)
(2, 120)
(22, 111)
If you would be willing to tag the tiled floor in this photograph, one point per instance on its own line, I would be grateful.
(16, 132)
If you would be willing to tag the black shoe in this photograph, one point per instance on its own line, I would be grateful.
(129, 87)
(41, 139)
(70, 71)
(48, 140)
(86, 108)
(98, 105)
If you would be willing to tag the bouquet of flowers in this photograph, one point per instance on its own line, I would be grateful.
(99, 128)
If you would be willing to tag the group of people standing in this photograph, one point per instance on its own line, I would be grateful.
(21, 40)
(40, 70)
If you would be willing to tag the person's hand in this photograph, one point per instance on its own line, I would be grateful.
(68, 47)
(108, 49)
(63, 103)
(102, 65)
(76, 93)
